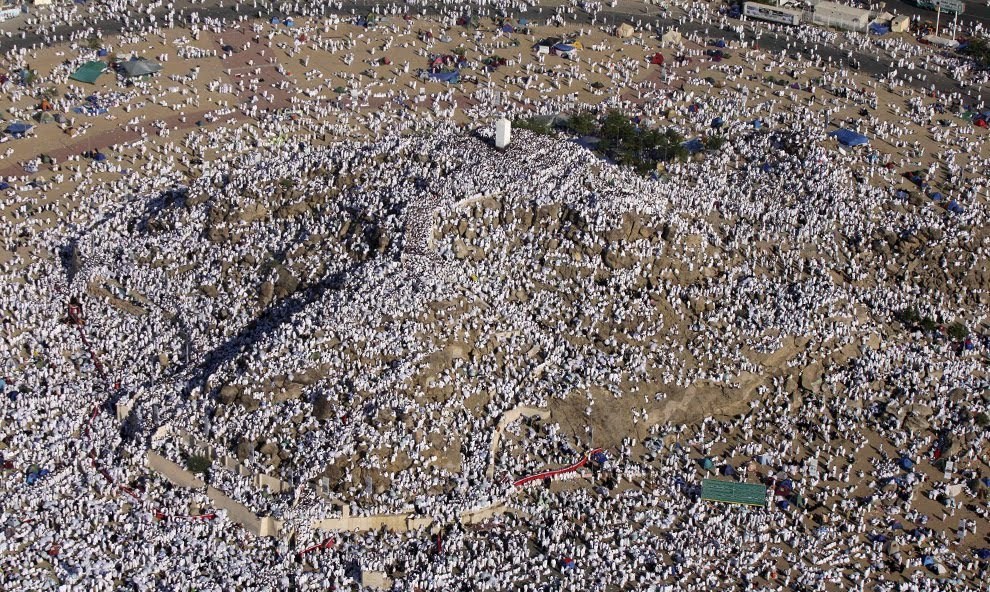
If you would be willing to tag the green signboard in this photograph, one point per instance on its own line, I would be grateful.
(750, 494)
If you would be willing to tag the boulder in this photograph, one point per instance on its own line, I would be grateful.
(209, 291)
(229, 393)
(252, 212)
(811, 377)
(266, 294)
(285, 283)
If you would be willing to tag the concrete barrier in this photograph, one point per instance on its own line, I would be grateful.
(237, 512)
(265, 526)
(173, 472)
(479, 515)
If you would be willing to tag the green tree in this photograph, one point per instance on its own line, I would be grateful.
(979, 49)
(533, 124)
(582, 123)
(958, 331)
(714, 142)
(909, 316)
(198, 464)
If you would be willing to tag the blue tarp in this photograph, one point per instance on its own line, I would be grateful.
(563, 47)
(694, 145)
(878, 29)
(3, 185)
(18, 128)
(89, 110)
(452, 77)
(849, 137)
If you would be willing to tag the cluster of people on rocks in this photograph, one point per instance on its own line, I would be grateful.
(350, 296)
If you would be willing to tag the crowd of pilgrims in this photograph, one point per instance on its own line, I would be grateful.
(370, 332)
(364, 258)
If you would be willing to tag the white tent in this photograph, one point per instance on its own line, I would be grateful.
(941, 41)
(624, 30)
(672, 37)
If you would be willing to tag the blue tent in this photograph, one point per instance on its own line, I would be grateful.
(563, 47)
(102, 53)
(599, 457)
(523, 22)
(707, 464)
(878, 29)
(508, 29)
(849, 137)
(276, 21)
(728, 471)
(452, 77)
(954, 207)
(289, 22)
(18, 128)
(936, 196)
(3, 185)
(983, 553)
(694, 145)
(757, 124)
(905, 463)
(717, 122)
(100, 157)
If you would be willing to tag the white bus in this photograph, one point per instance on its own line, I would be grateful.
(776, 14)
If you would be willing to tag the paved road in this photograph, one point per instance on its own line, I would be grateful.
(868, 62)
